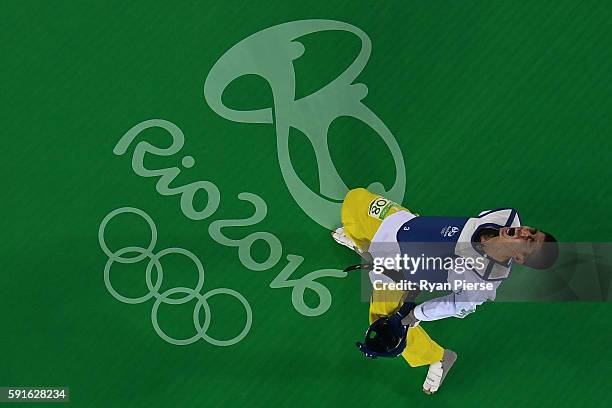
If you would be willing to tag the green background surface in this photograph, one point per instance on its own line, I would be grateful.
(493, 105)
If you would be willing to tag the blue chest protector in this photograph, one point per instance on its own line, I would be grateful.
(450, 237)
(433, 239)
(432, 229)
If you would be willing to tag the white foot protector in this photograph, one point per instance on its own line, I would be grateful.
(437, 372)
(340, 237)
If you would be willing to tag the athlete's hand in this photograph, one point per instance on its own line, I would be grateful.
(410, 320)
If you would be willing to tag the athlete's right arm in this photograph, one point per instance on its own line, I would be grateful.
(451, 305)
(455, 304)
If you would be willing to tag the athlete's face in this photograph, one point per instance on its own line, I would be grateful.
(522, 241)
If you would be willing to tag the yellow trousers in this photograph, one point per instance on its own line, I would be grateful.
(362, 214)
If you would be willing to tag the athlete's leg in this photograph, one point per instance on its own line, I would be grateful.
(420, 348)
(361, 216)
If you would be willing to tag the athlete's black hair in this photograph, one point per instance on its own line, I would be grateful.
(547, 255)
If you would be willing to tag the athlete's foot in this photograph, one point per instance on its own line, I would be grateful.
(437, 372)
(340, 237)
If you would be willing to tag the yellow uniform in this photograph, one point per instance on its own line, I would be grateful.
(362, 214)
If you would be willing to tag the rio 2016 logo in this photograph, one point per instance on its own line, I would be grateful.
(269, 54)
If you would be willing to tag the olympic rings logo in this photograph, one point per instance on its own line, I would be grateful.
(137, 254)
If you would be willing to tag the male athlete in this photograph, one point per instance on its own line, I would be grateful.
(493, 240)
